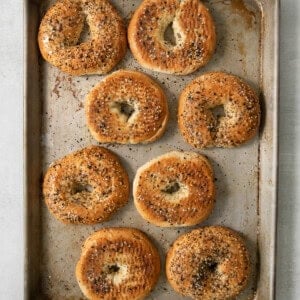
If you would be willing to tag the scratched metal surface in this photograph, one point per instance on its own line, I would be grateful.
(239, 29)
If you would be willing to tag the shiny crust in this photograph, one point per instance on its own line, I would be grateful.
(201, 128)
(130, 252)
(190, 204)
(60, 32)
(208, 263)
(86, 187)
(108, 124)
(193, 28)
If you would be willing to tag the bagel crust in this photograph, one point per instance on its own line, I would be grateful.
(208, 263)
(197, 122)
(62, 26)
(118, 263)
(127, 107)
(194, 33)
(86, 187)
(175, 189)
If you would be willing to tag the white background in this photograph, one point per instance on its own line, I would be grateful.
(11, 145)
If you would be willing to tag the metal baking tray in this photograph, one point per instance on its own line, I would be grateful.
(247, 45)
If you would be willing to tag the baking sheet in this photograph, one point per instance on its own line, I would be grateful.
(245, 176)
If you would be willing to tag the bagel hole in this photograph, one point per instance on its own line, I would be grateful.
(212, 266)
(169, 35)
(123, 108)
(218, 111)
(85, 33)
(79, 188)
(113, 269)
(116, 273)
(206, 268)
(171, 188)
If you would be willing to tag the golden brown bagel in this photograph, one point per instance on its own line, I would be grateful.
(208, 263)
(175, 189)
(194, 33)
(60, 30)
(86, 187)
(197, 122)
(117, 263)
(127, 107)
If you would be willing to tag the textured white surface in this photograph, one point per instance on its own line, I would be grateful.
(11, 115)
(288, 263)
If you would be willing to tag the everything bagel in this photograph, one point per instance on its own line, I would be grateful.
(208, 263)
(194, 33)
(175, 189)
(197, 122)
(127, 107)
(62, 26)
(86, 187)
(117, 263)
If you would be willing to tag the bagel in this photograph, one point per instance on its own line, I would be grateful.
(194, 33)
(197, 122)
(86, 187)
(126, 107)
(208, 263)
(117, 263)
(61, 28)
(175, 189)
